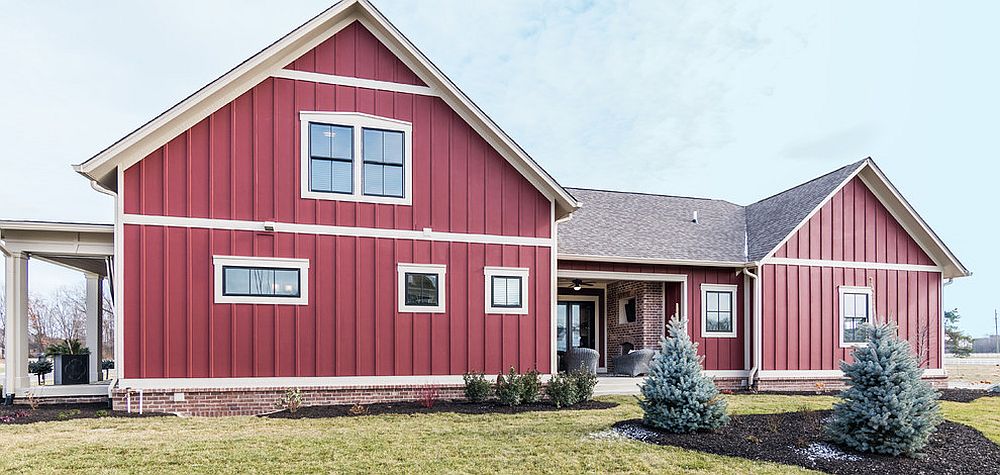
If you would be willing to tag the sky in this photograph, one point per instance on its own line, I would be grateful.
(730, 100)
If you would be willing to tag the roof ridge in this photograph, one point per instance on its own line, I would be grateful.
(643, 193)
(850, 165)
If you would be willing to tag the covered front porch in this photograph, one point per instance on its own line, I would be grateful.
(85, 248)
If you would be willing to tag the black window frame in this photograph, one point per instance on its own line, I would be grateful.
(634, 302)
(383, 163)
(520, 291)
(729, 295)
(298, 281)
(349, 161)
(437, 289)
(859, 329)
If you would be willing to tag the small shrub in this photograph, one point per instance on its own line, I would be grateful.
(40, 368)
(508, 388)
(358, 410)
(107, 365)
(10, 417)
(67, 414)
(531, 387)
(753, 439)
(428, 396)
(585, 382)
(69, 346)
(291, 401)
(562, 390)
(33, 401)
(477, 387)
(102, 413)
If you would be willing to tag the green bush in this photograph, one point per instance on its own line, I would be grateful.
(477, 388)
(69, 346)
(531, 387)
(40, 368)
(585, 382)
(887, 408)
(562, 390)
(508, 388)
(676, 395)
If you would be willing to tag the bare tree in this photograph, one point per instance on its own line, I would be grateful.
(39, 325)
(68, 313)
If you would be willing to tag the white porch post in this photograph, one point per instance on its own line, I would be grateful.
(95, 288)
(17, 379)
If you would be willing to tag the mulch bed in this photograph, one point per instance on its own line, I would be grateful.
(965, 395)
(319, 412)
(22, 414)
(795, 438)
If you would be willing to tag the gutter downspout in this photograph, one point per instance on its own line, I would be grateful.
(100, 189)
(756, 319)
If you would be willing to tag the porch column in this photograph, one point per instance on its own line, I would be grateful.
(17, 379)
(95, 290)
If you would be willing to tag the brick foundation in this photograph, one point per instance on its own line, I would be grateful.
(822, 384)
(253, 401)
(23, 401)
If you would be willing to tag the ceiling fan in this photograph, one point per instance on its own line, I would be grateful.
(578, 284)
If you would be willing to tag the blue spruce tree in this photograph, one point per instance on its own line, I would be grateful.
(887, 408)
(676, 396)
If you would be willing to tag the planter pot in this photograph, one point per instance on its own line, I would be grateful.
(8, 400)
(72, 369)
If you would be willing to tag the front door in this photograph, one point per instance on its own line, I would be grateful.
(576, 325)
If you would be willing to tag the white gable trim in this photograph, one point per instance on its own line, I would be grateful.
(354, 82)
(140, 143)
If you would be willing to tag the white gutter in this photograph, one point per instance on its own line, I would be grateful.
(97, 187)
(757, 327)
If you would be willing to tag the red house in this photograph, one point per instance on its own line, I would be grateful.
(334, 214)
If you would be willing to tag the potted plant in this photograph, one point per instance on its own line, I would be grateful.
(106, 366)
(40, 368)
(72, 362)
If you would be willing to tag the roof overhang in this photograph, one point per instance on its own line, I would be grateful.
(135, 146)
(78, 246)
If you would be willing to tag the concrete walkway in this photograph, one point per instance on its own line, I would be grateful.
(607, 385)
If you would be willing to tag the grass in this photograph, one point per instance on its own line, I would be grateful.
(530, 442)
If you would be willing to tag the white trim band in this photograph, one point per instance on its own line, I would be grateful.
(321, 229)
(353, 82)
(849, 264)
(830, 373)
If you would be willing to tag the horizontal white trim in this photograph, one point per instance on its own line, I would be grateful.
(440, 270)
(290, 382)
(69, 390)
(726, 373)
(354, 82)
(301, 265)
(522, 272)
(643, 260)
(849, 264)
(829, 373)
(240, 225)
(610, 275)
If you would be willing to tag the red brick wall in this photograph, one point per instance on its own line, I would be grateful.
(646, 330)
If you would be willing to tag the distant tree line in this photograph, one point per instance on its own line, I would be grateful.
(57, 316)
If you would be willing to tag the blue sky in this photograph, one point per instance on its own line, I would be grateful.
(732, 100)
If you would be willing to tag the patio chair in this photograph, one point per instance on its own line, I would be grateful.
(582, 357)
(634, 363)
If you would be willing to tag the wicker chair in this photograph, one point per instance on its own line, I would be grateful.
(634, 363)
(582, 357)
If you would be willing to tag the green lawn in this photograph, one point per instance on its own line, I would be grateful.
(531, 442)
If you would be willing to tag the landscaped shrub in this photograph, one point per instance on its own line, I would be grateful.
(107, 365)
(508, 388)
(40, 368)
(531, 387)
(585, 382)
(887, 408)
(562, 390)
(428, 396)
(477, 388)
(292, 401)
(676, 396)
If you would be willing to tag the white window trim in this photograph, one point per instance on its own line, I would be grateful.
(621, 310)
(705, 288)
(302, 265)
(357, 121)
(439, 269)
(522, 272)
(847, 289)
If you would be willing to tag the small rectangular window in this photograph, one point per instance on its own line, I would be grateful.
(630, 310)
(383, 160)
(261, 280)
(421, 288)
(855, 312)
(718, 310)
(506, 290)
(331, 152)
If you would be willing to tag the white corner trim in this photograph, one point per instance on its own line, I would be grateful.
(301, 265)
(288, 382)
(731, 289)
(850, 264)
(322, 229)
(438, 269)
(357, 122)
(847, 289)
(523, 273)
(353, 82)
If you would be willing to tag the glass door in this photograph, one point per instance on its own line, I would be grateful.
(576, 325)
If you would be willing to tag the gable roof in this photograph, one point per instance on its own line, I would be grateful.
(613, 224)
(635, 227)
(101, 168)
(771, 220)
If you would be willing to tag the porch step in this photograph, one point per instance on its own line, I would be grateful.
(608, 385)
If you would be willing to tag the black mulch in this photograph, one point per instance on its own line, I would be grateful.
(795, 438)
(965, 395)
(23, 414)
(318, 412)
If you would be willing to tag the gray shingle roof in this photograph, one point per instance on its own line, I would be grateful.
(635, 225)
(772, 219)
(645, 226)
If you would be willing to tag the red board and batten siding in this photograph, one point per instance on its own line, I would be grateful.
(854, 226)
(242, 163)
(720, 353)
